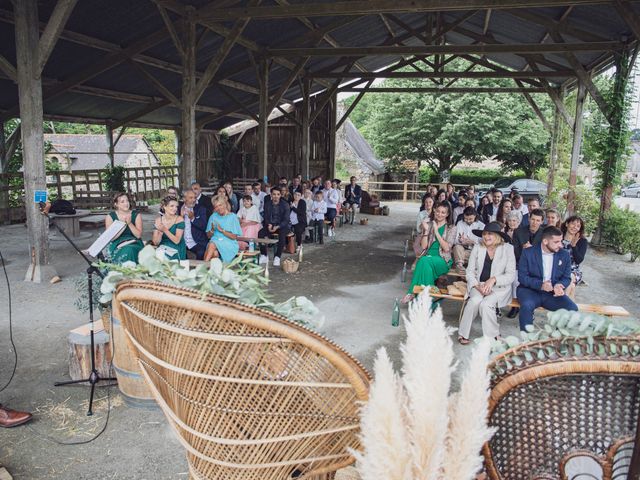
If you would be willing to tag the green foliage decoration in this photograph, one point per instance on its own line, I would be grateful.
(566, 325)
(82, 287)
(238, 280)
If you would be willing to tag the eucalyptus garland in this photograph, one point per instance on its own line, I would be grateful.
(567, 324)
(239, 280)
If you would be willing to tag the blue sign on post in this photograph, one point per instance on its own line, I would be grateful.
(40, 196)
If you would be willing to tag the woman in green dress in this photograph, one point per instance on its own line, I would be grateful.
(126, 246)
(437, 242)
(169, 231)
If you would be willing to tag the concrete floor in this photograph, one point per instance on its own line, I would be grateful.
(352, 279)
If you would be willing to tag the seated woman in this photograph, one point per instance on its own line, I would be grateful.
(553, 218)
(250, 220)
(575, 243)
(506, 205)
(169, 231)
(298, 217)
(512, 222)
(126, 246)
(223, 230)
(423, 216)
(436, 242)
(490, 275)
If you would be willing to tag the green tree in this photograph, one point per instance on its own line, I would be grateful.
(441, 130)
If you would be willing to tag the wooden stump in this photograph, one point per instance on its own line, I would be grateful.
(80, 355)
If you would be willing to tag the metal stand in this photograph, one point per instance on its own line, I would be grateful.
(94, 376)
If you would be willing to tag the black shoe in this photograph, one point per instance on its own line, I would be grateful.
(498, 313)
(513, 312)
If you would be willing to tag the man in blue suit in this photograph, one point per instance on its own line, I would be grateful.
(195, 223)
(544, 273)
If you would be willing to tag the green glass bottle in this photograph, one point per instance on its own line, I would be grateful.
(395, 316)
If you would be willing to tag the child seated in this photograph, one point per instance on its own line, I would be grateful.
(250, 220)
(318, 210)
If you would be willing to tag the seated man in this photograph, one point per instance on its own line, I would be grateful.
(352, 193)
(490, 211)
(275, 221)
(465, 239)
(544, 273)
(532, 204)
(195, 225)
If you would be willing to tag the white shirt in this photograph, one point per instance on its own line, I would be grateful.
(258, 200)
(494, 215)
(464, 229)
(188, 237)
(523, 209)
(547, 265)
(318, 209)
(332, 197)
(251, 214)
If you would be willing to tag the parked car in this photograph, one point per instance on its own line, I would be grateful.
(632, 190)
(526, 187)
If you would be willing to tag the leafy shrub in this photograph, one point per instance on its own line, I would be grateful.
(468, 176)
(586, 203)
(114, 178)
(621, 231)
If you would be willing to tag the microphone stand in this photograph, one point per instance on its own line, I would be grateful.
(94, 376)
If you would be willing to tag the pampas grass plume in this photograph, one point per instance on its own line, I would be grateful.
(384, 433)
(468, 429)
(427, 365)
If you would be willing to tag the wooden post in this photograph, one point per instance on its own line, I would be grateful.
(306, 128)
(405, 188)
(553, 155)
(110, 145)
(188, 137)
(575, 149)
(333, 120)
(30, 101)
(263, 120)
(5, 214)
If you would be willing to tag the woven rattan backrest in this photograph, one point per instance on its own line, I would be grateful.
(554, 401)
(251, 395)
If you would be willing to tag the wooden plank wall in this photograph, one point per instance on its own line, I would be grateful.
(285, 138)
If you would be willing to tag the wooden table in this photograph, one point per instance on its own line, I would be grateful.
(70, 223)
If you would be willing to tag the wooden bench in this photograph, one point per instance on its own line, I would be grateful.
(269, 242)
(604, 310)
(93, 221)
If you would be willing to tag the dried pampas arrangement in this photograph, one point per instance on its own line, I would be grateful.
(412, 428)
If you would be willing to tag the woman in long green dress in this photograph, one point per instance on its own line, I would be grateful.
(169, 231)
(437, 242)
(126, 246)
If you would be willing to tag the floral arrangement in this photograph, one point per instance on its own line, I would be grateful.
(412, 427)
(238, 280)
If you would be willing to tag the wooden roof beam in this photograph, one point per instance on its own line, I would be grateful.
(55, 26)
(152, 107)
(629, 16)
(171, 29)
(535, 107)
(368, 7)
(557, 25)
(446, 74)
(443, 90)
(528, 48)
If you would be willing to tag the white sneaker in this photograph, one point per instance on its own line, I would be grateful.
(263, 260)
(276, 261)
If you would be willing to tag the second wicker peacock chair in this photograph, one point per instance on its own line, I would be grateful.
(250, 395)
(564, 409)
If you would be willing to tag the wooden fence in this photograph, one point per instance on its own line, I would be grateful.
(406, 191)
(85, 188)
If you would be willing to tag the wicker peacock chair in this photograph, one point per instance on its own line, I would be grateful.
(250, 395)
(563, 412)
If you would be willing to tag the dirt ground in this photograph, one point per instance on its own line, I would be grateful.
(352, 279)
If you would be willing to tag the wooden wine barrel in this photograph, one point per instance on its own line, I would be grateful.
(131, 382)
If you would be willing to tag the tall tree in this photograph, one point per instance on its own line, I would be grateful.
(441, 130)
